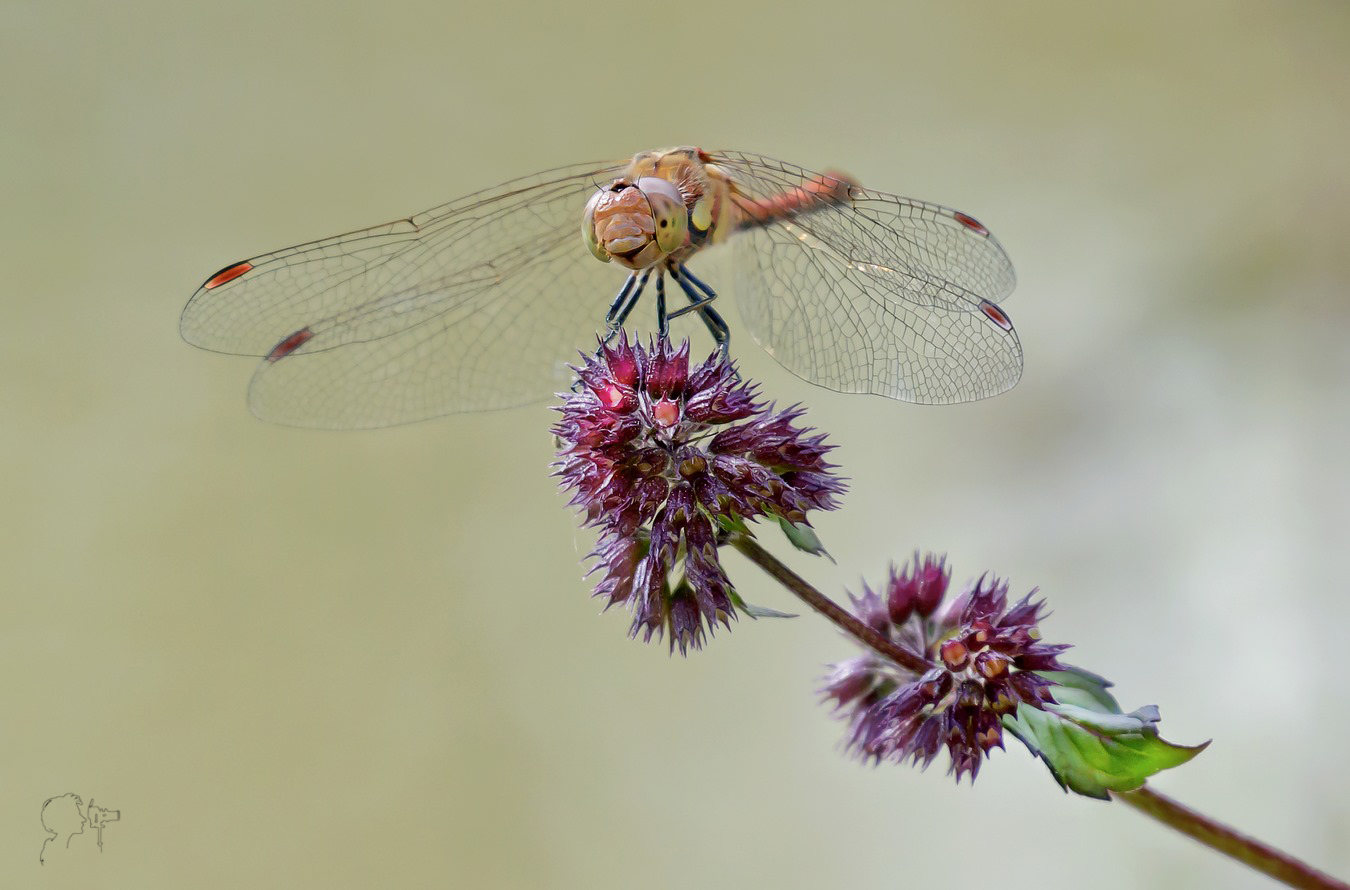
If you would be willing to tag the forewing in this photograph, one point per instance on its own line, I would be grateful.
(878, 294)
(474, 305)
(925, 253)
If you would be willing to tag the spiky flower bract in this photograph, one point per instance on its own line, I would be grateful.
(984, 655)
(663, 458)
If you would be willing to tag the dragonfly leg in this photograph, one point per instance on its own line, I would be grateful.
(662, 319)
(624, 302)
(700, 296)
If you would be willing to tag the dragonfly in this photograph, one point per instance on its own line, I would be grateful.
(481, 303)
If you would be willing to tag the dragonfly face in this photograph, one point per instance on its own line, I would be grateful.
(636, 224)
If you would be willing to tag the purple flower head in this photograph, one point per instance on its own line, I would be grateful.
(983, 656)
(661, 458)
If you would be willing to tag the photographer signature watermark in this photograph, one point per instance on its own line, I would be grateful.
(64, 820)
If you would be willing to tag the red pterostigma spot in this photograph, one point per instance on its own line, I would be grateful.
(228, 274)
(970, 222)
(996, 315)
(290, 344)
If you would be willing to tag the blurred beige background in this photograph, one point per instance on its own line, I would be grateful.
(298, 659)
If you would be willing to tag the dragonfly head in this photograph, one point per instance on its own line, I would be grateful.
(637, 224)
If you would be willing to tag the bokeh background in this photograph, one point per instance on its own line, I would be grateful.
(304, 659)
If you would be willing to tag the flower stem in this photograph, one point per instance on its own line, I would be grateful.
(846, 622)
(1217, 836)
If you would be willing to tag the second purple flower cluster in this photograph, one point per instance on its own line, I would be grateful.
(984, 656)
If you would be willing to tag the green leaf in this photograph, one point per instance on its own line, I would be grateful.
(732, 523)
(804, 538)
(1090, 747)
(765, 612)
(758, 611)
(1076, 686)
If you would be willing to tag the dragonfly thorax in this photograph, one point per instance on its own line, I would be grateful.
(636, 223)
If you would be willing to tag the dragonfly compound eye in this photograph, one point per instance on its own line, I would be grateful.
(588, 229)
(668, 212)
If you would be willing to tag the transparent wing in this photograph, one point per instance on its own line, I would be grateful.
(475, 305)
(878, 294)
